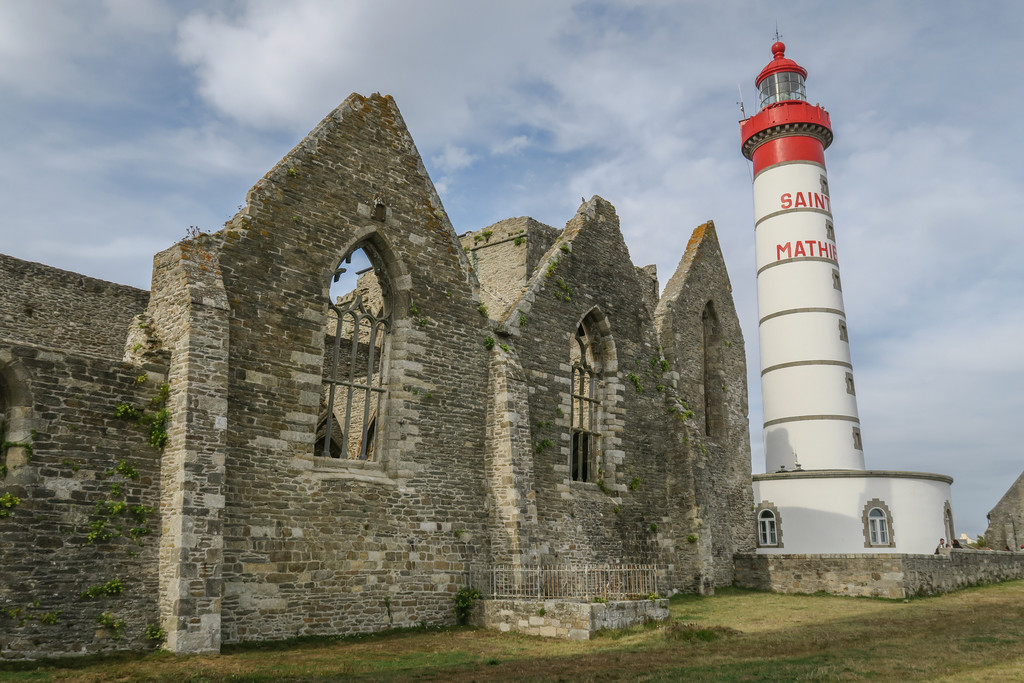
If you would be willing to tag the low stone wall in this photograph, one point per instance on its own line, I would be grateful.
(566, 619)
(929, 574)
(877, 575)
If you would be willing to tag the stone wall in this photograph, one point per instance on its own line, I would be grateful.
(1006, 520)
(82, 504)
(878, 575)
(317, 545)
(700, 334)
(65, 311)
(564, 618)
(258, 536)
(504, 256)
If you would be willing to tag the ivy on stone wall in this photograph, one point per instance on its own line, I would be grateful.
(113, 517)
(8, 501)
(31, 612)
(156, 419)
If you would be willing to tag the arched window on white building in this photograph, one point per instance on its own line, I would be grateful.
(769, 525)
(767, 531)
(878, 526)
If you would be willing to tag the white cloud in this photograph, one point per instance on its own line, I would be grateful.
(453, 158)
(270, 65)
(511, 146)
(126, 121)
(54, 50)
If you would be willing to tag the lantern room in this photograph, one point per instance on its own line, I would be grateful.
(782, 80)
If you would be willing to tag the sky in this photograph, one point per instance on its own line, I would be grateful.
(125, 122)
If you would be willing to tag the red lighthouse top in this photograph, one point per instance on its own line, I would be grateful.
(780, 64)
(782, 79)
(784, 113)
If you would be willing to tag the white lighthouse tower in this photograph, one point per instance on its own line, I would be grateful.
(810, 405)
(816, 495)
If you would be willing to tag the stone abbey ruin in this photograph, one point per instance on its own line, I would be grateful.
(240, 455)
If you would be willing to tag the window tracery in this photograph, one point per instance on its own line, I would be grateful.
(585, 405)
(354, 390)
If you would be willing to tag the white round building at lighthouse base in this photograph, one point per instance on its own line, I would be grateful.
(850, 511)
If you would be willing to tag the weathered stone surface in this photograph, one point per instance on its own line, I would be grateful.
(1006, 520)
(880, 575)
(80, 477)
(571, 620)
(257, 536)
(711, 362)
(65, 311)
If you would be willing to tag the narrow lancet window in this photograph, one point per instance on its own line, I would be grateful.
(714, 373)
(585, 405)
(355, 360)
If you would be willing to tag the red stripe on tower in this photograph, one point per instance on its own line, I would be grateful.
(790, 148)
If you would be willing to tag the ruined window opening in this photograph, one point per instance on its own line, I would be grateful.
(334, 446)
(947, 517)
(767, 528)
(585, 405)
(380, 209)
(14, 430)
(714, 373)
(369, 440)
(4, 418)
(355, 358)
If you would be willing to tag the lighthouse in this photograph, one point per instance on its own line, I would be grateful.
(807, 386)
(816, 495)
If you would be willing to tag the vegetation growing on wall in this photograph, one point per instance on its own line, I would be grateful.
(156, 419)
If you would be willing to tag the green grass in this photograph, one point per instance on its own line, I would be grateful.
(737, 635)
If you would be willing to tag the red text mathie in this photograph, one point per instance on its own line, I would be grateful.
(805, 200)
(804, 249)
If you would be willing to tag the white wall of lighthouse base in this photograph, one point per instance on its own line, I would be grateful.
(823, 511)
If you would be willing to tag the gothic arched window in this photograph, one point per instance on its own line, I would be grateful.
(585, 405)
(355, 359)
(714, 372)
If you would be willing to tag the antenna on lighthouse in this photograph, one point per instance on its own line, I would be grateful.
(743, 112)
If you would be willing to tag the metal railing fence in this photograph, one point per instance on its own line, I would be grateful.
(575, 582)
